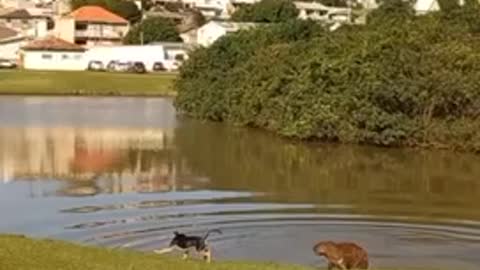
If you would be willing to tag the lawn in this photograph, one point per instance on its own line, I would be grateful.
(19, 253)
(21, 82)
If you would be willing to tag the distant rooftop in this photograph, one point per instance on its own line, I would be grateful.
(7, 33)
(96, 14)
(52, 44)
(15, 14)
(310, 5)
(235, 26)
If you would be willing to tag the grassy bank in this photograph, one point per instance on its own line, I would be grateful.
(22, 253)
(19, 82)
(17, 253)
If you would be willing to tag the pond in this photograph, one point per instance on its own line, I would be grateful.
(127, 172)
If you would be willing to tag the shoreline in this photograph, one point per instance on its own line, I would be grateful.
(21, 252)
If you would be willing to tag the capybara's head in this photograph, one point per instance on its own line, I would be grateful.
(323, 247)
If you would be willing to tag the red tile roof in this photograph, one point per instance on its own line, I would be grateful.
(96, 14)
(52, 44)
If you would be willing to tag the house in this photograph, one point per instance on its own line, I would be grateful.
(319, 12)
(10, 43)
(52, 53)
(209, 8)
(420, 6)
(92, 25)
(213, 30)
(21, 20)
(425, 6)
(17, 4)
(177, 17)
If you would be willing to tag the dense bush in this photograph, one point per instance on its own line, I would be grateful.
(400, 80)
(153, 29)
(266, 11)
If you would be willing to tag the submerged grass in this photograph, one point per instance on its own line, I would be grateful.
(23, 82)
(21, 253)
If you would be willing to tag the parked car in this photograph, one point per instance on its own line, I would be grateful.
(96, 66)
(4, 63)
(137, 67)
(123, 66)
(174, 66)
(111, 65)
(159, 66)
(118, 66)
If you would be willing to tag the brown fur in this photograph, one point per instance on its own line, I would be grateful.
(342, 255)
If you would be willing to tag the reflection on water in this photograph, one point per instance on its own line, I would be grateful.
(91, 160)
(127, 172)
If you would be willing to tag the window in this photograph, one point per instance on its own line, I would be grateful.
(47, 56)
(78, 56)
(80, 26)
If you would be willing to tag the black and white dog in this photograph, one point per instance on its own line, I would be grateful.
(184, 243)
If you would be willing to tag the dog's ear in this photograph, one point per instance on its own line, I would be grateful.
(176, 233)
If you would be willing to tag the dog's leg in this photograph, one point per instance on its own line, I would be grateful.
(164, 250)
(185, 255)
(331, 266)
(207, 255)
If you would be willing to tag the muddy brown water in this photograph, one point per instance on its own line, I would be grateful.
(127, 172)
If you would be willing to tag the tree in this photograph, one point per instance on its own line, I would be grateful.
(196, 18)
(152, 29)
(268, 11)
(127, 9)
(463, 16)
(392, 12)
(448, 5)
(124, 8)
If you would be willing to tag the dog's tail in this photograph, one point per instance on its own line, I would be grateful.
(209, 232)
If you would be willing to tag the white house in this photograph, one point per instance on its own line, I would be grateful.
(213, 30)
(317, 11)
(52, 53)
(10, 43)
(17, 4)
(209, 8)
(420, 6)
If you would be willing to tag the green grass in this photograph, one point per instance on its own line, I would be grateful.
(20, 253)
(22, 82)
